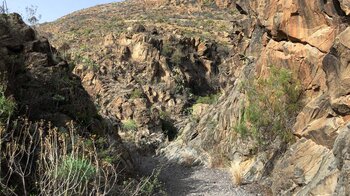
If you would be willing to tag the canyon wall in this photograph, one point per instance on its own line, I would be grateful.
(311, 38)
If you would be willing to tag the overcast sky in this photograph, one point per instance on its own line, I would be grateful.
(52, 9)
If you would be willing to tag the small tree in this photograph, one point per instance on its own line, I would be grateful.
(271, 106)
(177, 57)
(3, 8)
(32, 16)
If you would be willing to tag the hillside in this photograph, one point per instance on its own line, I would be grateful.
(259, 88)
(89, 26)
(146, 65)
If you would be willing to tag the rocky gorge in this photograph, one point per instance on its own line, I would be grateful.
(168, 83)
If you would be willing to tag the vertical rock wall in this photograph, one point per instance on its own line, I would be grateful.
(311, 38)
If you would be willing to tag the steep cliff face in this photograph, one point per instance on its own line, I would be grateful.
(310, 38)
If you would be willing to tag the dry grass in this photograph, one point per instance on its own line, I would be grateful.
(238, 170)
(236, 175)
(187, 160)
(218, 161)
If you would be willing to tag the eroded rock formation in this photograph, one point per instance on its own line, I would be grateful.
(150, 79)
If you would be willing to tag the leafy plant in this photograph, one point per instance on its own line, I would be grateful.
(129, 125)
(209, 99)
(80, 168)
(271, 106)
(136, 93)
(177, 57)
(151, 184)
(58, 161)
(166, 49)
(7, 106)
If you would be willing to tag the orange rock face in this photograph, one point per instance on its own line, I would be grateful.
(311, 38)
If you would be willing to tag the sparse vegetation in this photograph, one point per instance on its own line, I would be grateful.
(209, 99)
(89, 63)
(59, 162)
(7, 106)
(129, 125)
(32, 16)
(136, 93)
(147, 185)
(166, 49)
(271, 107)
(80, 168)
(3, 7)
(237, 173)
(151, 184)
(177, 57)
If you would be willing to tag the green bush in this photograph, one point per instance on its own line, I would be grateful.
(7, 106)
(129, 125)
(177, 57)
(167, 49)
(89, 63)
(271, 106)
(136, 93)
(151, 185)
(209, 99)
(76, 168)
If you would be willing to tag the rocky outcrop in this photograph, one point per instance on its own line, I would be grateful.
(150, 79)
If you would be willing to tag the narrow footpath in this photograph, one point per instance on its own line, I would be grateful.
(179, 180)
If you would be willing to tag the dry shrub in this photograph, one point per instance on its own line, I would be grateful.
(37, 158)
(238, 169)
(236, 175)
(187, 159)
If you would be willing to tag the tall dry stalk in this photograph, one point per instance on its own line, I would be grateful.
(51, 162)
(68, 166)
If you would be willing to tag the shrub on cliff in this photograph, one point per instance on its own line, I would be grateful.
(177, 57)
(209, 99)
(129, 125)
(7, 106)
(271, 106)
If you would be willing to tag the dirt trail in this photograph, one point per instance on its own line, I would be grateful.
(180, 180)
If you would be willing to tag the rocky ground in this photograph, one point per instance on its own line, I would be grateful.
(181, 180)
